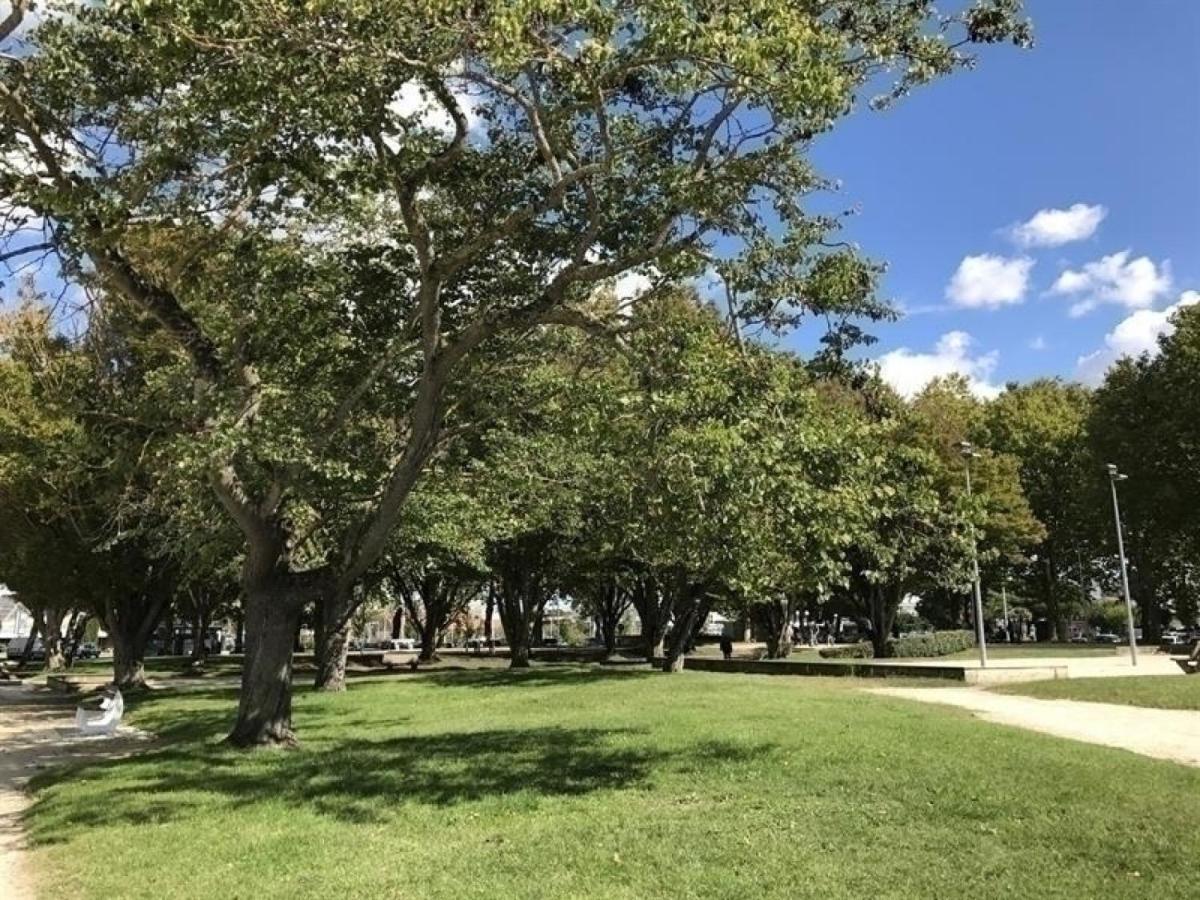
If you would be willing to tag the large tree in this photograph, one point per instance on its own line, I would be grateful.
(1143, 420)
(1043, 424)
(330, 207)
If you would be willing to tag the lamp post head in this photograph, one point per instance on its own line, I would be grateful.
(967, 449)
(1114, 473)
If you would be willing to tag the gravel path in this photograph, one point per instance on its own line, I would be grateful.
(1162, 733)
(37, 731)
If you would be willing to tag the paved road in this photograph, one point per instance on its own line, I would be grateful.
(1162, 733)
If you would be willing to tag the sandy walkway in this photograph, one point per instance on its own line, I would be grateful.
(1161, 733)
(37, 731)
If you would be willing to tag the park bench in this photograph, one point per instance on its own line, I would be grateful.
(111, 709)
(1191, 665)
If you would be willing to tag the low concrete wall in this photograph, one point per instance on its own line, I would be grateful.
(1014, 674)
(866, 668)
(858, 668)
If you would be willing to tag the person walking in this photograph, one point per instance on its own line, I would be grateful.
(726, 646)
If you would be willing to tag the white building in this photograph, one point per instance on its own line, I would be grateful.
(15, 620)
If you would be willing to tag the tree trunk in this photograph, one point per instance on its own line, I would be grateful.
(611, 604)
(197, 625)
(131, 622)
(686, 608)
(518, 655)
(333, 639)
(489, 611)
(52, 640)
(129, 661)
(775, 618)
(168, 644)
(398, 622)
(653, 608)
(75, 632)
(265, 708)
(239, 637)
(520, 605)
(884, 602)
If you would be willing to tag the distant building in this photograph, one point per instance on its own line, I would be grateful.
(15, 620)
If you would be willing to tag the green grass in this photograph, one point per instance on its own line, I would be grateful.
(1158, 691)
(564, 782)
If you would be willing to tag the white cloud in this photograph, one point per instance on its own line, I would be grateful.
(1134, 335)
(909, 371)
(1133, 283)
(1055, 227)
(630, 285)
(414, 103)
(1038, 343)
(989, 282)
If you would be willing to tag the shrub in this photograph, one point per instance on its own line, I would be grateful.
(571, 633)
(853, 651)
(938, 643)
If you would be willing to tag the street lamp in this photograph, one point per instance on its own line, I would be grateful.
(1113, 477)
(968, 453)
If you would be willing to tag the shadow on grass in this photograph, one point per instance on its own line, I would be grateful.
(357, 780)
(545, 675)
(343, 772)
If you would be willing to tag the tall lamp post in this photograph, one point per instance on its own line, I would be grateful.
(1113, 477)
(968, 453)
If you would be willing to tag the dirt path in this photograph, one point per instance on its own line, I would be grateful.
(1162, 733)
(37, 731)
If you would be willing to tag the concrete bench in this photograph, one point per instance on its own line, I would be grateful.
(112, 708)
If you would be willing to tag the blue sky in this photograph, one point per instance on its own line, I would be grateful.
(1100, 120)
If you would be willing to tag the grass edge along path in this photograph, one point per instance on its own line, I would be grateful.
(1151, 691)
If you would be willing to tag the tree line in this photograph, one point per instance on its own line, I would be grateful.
(347, 313)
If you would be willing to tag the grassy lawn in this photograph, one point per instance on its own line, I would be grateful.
(1159, 691)
(571, 782)
(1044, 649)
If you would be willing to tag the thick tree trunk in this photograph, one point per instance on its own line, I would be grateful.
(129, 662)
(883, 601)
(518, 612)
(75, 636)
(131, 622)
(265, 708)
(611, 608)
(52, 641)
(429, 643)
(333, 640)
(398, 622)
(775, 618)
(686, 608)
(519, 655)
(653, 610)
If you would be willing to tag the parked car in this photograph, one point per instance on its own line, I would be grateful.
(87, 651)
(1106, 638)
(16, 648)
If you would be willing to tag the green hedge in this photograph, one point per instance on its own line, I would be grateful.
(940, 643)
(851, 651)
